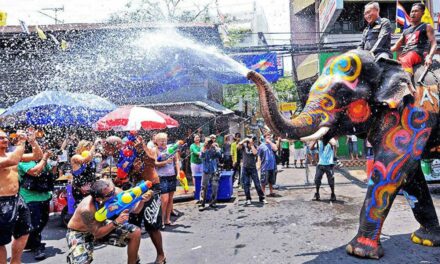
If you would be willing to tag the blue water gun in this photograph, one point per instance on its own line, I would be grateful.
(127, 156)
(124, 200)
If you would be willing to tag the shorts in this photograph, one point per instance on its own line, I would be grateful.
(353, 147)
(269, 176)
(168, 184)
(328, 170)
(408, 60)
(81, 244)
(151, 214)
(196, 169)
(15, 219)
(299, 154)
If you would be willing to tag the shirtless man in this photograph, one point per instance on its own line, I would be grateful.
(83, 229)
(144, 169)
(14, 214)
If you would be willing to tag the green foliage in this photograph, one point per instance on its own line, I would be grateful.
(137, 11)
(285, 89)
(235, 36)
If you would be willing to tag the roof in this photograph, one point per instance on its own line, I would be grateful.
(104, 26)
(29, 65)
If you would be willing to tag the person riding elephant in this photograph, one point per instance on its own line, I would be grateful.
(416, 40)
(376, 36)
(361, 96)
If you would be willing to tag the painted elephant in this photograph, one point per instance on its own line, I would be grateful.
(357, 95)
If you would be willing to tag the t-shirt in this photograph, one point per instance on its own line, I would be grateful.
(28, 195)
(63, 157)
(285, 144)
(220, 140)
(298, 144)
(227, 149)
(326, 154)
(249, 159)
(195, 153)
(267, 157)
(352, 138)
(234, 152)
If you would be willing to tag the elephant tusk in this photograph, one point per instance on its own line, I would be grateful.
(317, 135)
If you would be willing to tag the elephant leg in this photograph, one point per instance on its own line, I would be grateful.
(417, 193)
(403, 137)
(380, 196)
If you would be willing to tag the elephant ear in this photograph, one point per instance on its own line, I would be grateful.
(394, 85)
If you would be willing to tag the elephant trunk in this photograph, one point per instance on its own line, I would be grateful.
(301, 126)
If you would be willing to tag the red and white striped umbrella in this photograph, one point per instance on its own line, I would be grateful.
(133, 118)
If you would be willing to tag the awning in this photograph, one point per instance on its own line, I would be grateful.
(204, 109)
(299, 5)
(308, 68)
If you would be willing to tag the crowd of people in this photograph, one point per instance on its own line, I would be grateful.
(31, 165)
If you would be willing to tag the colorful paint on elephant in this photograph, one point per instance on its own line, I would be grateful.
(403, 142)
(373, 98)
(345, 68)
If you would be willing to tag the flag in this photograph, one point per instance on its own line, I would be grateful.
(402, 18)
(3, 16)
(64, 45)
(40, 33)
(426, 18)
(54, 39)
(24, 27)
(438, 22)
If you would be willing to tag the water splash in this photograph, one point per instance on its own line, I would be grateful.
(115, 60)
(155, 43)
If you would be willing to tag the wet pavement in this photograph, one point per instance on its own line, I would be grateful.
(290, 229)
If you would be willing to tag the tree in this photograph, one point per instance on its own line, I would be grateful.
(236, 36)
(285, 89)
(172, 11)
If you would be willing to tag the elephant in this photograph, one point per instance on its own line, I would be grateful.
(358, 95)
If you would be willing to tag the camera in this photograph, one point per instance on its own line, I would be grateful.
(251, 137)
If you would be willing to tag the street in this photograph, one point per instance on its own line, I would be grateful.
(290, 229)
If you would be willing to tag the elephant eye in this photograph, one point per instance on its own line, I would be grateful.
(344, 95)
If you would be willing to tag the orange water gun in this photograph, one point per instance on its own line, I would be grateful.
(183, 181)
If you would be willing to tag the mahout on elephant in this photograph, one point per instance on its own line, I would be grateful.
(372, 99)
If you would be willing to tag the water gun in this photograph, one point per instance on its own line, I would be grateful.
(124, 200)
(171, 150)
(183, 181)
(127, 155)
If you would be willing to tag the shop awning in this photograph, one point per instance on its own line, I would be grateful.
(206, 108)
(308, 67)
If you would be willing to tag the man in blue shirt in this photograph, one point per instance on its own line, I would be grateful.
(268, 165)
(210, 153)
(325, 165)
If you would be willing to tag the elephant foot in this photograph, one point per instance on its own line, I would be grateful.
(427, 237)
(365, 248)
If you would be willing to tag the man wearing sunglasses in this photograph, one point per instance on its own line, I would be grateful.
(83, 229)
(14, 214)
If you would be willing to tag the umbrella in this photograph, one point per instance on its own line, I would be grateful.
(133, 118)
(59, 108)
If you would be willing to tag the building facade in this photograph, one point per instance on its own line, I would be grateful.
(346, 29)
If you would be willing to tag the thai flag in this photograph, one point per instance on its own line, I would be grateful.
(402, 17)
